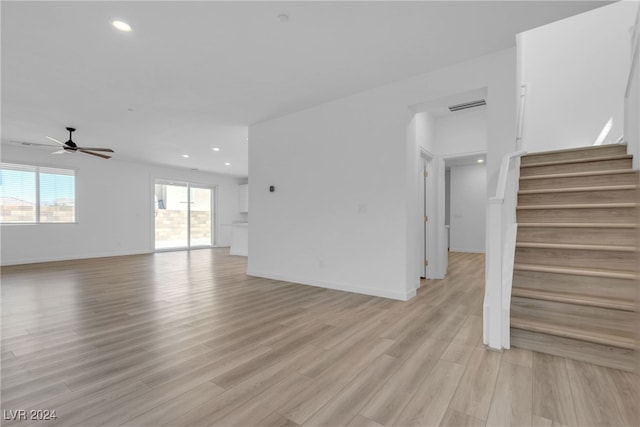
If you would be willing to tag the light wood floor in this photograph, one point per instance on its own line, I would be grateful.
(186, 338)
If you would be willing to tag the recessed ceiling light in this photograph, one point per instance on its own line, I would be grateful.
(215, 149)
(185, 156)
(227, 164)
(283, 17)
(121, 25)
(480, 160)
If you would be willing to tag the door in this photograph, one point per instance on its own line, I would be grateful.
(200, 216)
(184, 215)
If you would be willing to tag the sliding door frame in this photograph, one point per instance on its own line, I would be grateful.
(213, 211)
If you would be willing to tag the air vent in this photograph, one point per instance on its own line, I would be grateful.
(472, 104)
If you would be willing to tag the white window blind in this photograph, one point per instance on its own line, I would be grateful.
(36, 194)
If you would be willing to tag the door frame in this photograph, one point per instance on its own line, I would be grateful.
(214, 214)
(427, 205)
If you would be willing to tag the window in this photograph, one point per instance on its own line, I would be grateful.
(36, 194)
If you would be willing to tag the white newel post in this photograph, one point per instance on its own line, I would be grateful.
(492, 309)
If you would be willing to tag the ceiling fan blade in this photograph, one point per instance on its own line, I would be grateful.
(63, 151)
(35, 144)
(94, 154)
(55, 140)
(96, 149)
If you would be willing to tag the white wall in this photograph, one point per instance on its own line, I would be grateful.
(339, 192)
(461, 133)
(114, 203)
(632, 97)
(345, 213)
(468, 208)
(425, 131)
(576, 71)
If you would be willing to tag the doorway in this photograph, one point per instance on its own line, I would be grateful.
(184, 215)
(466, 202)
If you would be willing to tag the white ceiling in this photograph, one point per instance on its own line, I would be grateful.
(198, 74)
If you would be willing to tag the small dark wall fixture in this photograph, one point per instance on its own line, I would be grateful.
(272, 189)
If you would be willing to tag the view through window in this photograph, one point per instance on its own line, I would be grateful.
(36, 194)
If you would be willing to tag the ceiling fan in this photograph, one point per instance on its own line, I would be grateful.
(71, 147)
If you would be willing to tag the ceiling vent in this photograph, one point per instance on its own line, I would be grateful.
(472, 104)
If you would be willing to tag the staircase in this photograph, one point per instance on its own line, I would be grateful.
(575, 280)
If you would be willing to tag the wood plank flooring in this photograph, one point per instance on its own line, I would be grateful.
(186, 338)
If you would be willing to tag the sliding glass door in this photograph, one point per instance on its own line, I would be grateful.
(184, 215)
(200, 223)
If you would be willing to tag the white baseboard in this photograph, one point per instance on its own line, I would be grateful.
(237, 252)
(97, 255)
(336, 286)
(472, 251)
(71, 258)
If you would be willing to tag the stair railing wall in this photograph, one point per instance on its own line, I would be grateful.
(631, 126)
(501, 243)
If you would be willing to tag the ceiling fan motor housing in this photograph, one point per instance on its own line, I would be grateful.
(70, 143)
